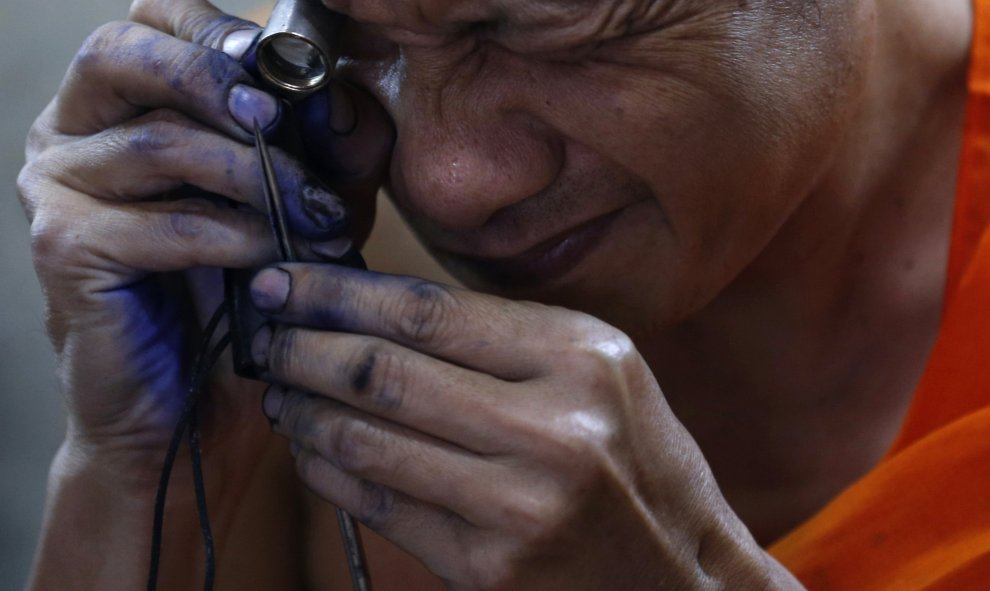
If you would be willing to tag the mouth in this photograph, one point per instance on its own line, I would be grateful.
(547, 261)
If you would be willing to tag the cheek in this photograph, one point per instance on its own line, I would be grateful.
(725, 165)
(716, 167)
(730, 120)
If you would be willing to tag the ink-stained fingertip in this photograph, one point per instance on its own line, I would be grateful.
(323, 208)
(248, 104)
(270, 290)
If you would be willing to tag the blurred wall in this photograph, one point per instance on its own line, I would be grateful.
(37, 41)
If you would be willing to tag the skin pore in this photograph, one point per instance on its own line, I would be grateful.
(776, 219)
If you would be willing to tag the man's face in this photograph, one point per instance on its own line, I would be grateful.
(624, 157)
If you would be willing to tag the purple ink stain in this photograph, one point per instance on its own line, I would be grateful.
(155, 344)
(313, 211)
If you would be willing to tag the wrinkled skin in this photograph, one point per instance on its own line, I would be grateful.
(696, 122)
(681, 183)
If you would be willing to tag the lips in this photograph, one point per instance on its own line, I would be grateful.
(549, 260)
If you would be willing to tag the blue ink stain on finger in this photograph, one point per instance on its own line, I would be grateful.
(154, 344)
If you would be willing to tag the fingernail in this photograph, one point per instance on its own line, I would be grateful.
(260, 343)
(248, 104)
(271, 404)
(236, 43)
(343, 113)
(332, 250)
(323, 207)
(270, 290)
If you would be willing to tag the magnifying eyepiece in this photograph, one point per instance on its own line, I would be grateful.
(292, 63)
(294, 54)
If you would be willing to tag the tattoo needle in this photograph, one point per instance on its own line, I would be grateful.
(356, 564)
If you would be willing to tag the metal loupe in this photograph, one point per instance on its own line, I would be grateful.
(294, 54)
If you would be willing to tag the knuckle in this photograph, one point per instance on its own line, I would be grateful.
(40, 135)
(534, 519)
(282, 351)
(92, 54)
(353, 445)
(592, 430)
(152, 143)
(199, 68)
(28, 180)
(140, 8)
(161, 130)
(54, 239)
(376, 504)
(580, 448)
(208, 28)
(377, 376)
(296, 415)
(599, 352)
(197, 22)
(189, 219)
(423, 312)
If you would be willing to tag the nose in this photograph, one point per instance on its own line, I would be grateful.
(466, 151)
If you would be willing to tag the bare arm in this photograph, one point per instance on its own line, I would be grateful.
(96, 533)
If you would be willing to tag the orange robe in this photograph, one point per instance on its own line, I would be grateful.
(921, 518)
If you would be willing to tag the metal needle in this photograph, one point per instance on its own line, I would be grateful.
(356, 564)
(273, 199)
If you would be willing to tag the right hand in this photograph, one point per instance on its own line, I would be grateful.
(142, 113)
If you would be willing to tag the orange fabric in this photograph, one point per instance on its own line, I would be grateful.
(921, 518)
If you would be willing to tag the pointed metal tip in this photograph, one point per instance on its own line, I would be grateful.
(259, 135)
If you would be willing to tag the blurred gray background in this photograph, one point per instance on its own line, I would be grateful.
(37, 42)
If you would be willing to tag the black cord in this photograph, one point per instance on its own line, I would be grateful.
(197, 465)
(203, 363)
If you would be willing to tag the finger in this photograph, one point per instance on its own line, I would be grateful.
(455, 404)
(196, 21)
(429, 533)
(125, 68)
(381, 451)
(507, 340)
(115, 243)
(164, 150)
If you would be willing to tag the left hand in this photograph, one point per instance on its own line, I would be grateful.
(506, 445)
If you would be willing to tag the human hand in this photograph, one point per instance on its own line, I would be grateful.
(506, 445)
(126, 252)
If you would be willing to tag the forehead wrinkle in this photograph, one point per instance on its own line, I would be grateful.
(555, 25)
(519, 25)
(443, 16)
(419, 16)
